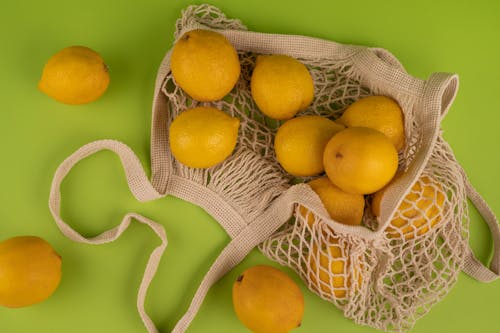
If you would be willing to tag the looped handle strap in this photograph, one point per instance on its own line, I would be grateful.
(141, 188)
(439, 92)
(472, 266)
(252, 234)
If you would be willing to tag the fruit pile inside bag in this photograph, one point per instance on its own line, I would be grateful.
(323, 128)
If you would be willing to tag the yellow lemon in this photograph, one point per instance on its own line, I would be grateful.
(266, 300)
(360, 160)
(378, 112)
(331, 271)
(419, 211)
(205, 65)
(203, 136)
(342, 207)
(281, 86)
(300, 142)
(75, 75)
(30, 271)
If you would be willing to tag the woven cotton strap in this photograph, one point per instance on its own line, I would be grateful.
(140, 187)
(473, 266)
(241, 244)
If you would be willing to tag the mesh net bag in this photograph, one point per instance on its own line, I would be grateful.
(386, 273)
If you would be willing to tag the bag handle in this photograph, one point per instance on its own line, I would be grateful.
(142, 190)
(242, 243)
(472, 266)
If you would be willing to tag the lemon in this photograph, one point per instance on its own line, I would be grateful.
(342, 207)
(75, 75)
(203, 136)
(281, 86)
(266, 300)
(300, 142)
(419, 211)
(205, 65)
(331, 271)
(30, 271)
(360, 160)
(378, 112)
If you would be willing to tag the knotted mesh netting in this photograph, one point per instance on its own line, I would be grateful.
(385, 273)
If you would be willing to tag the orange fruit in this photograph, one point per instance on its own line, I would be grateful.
(30, 271)
(75, 75)
(281, 86)
(205, 65)
(360, 160)
(202, 137)
(380, 113)
(331, 270)
(342, 207)
(266, 300)
(420, 210)
(300, 142)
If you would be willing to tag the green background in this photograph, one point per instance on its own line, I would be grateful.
(99, 286)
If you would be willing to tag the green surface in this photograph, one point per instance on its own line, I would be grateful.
(99, 286)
